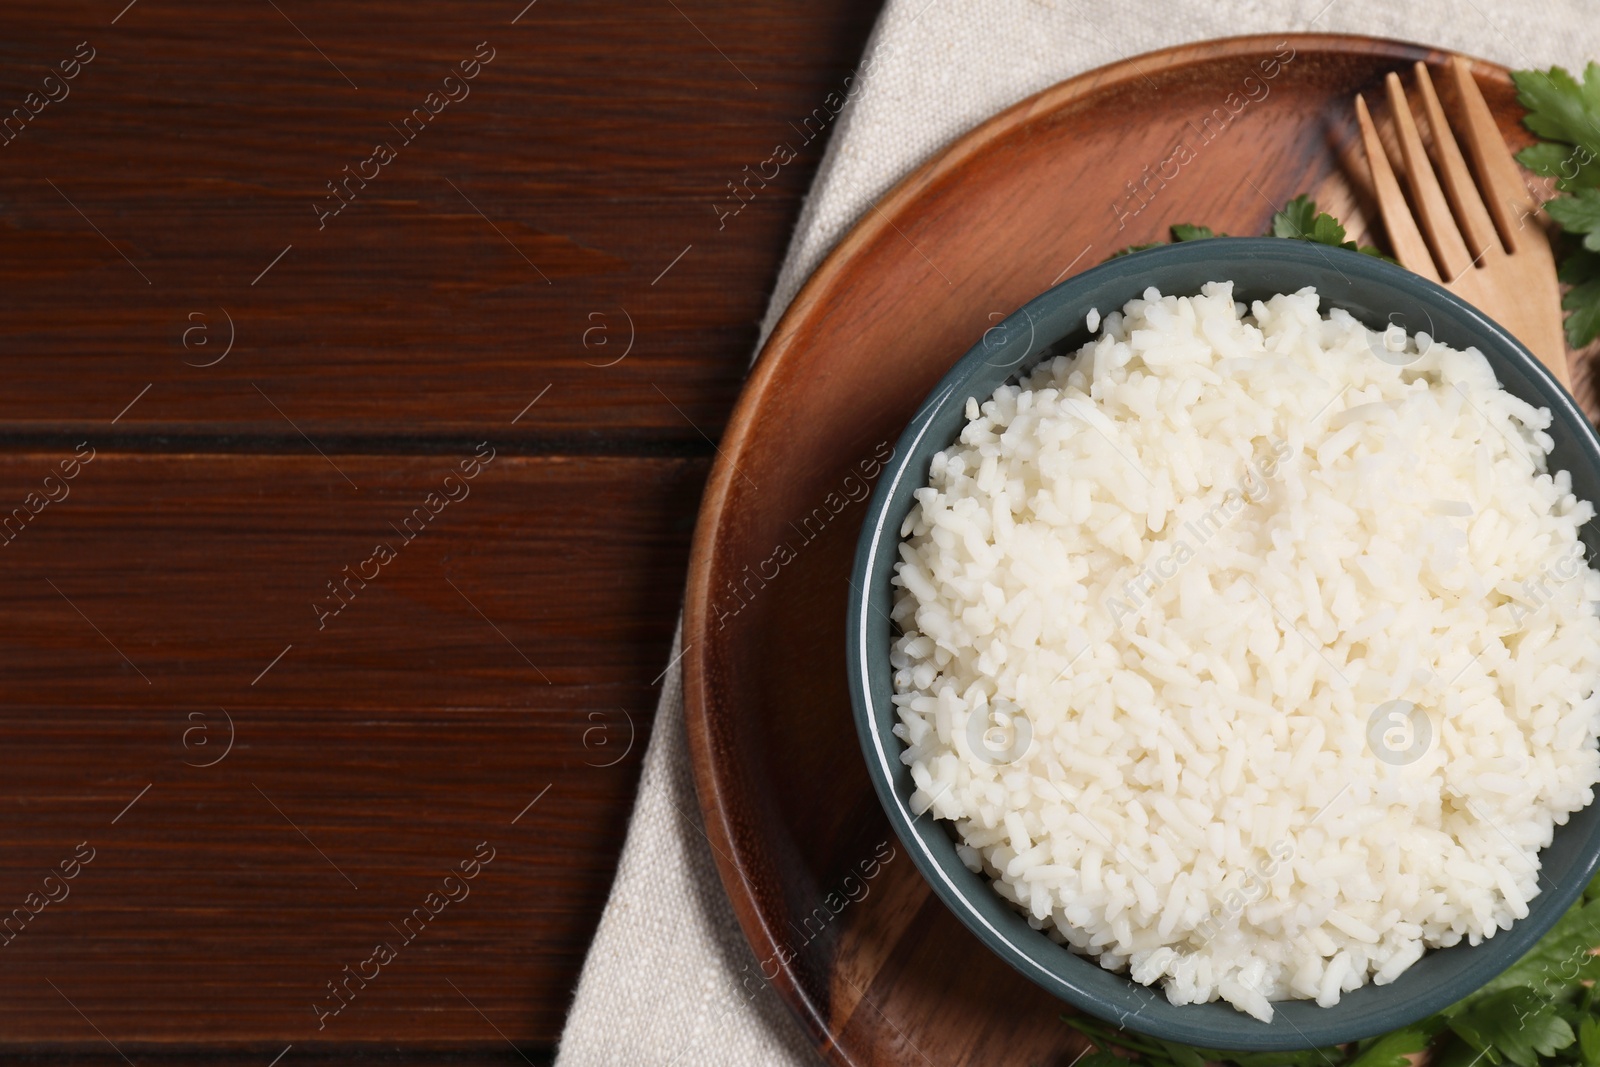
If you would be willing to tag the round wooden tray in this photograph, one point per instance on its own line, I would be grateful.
(842, 925)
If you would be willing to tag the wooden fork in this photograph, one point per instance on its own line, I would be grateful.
(1489, 249)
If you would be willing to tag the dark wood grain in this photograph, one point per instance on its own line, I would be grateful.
(507, 254)
(590, 152)
(1033, 195)
(491, 659)
(201, 585)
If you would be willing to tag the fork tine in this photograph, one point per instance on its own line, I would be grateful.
(1449, 250)
(1471, 215)
(1404, 238)
(1508, 199)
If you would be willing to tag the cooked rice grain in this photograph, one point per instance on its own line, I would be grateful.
(1185, 566)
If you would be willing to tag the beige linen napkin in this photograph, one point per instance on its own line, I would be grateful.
(661, 984)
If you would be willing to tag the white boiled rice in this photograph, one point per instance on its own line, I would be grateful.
(1152, 599)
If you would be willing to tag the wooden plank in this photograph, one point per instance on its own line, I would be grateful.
(506, 654)
(178, 197)
(485, 284)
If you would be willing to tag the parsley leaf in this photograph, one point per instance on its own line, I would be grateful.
(1301, 220)
(1394, 1048)
(1557, 961)
(1581, 270)
(1559, 109)
(1298, 220)
(1579, 213)
(1184, 232)
(1180, 232)
(1583, 303)
(1566, 114)
(1519, 1023)
(1589, 1042)
(1325, 230)
(1572, 167)
(1182, 1055)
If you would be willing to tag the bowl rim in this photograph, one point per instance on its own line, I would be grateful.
(1185, 1023)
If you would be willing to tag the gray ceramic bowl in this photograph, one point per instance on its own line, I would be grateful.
(1378, 294)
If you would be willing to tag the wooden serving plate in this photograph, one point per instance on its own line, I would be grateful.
(842, 925)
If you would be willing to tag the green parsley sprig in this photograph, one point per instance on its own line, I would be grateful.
(1565, 114)
(1299, 220)
(1541, 1012)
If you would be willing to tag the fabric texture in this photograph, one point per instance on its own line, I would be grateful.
(662, 983)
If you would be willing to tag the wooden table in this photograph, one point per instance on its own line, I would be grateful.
(362, 367)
